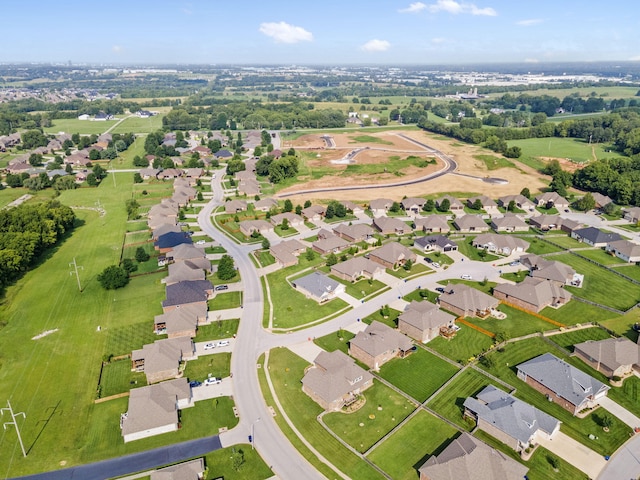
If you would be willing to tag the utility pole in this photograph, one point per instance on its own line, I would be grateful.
(75, 272)
(14, 423)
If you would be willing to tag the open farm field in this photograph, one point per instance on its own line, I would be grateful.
(73, 125)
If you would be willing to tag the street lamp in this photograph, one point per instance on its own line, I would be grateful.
(253, 434)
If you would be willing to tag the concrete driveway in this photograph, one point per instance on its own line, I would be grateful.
(620, 412)
(200, 350)
(204, 392)
(573, 452)
(307, 350)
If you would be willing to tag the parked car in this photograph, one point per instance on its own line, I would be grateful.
(223, 343)
(435, 265)
(213, 176)
(514, 264)
(212, 381)
(465, 276)
(428, 260)
(440, 289)
(200, 242)
(209, 346)
(222, 287)
(194, 383)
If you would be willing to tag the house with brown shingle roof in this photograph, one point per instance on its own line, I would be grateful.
(380, 206)
(533, 294)
(161, 359)
(265, 204)
(354, 233)
(293, 219)
(557, 272)
(355, 268)
(286, 253)
(191, 470)
(378, 344)
(235, 206)
(330, 244)
(392, 255)
(352, 207)
(314, 213)
(521, 202)
(488, 204)
(391, 225)
(455, 205)
(632, 214)
(412, 205)
(335, 380)
(470, 224)
(550, 200)
(614, 357)
(625, 250)
(500, 244)
(187, 252)
(509, 223)
(248, 227)
(423, 321)
(466, 301)
(184, 271)
(181, 322)
(432, 224)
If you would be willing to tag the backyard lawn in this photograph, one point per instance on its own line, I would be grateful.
(517, 323)
(466, 344)
(419, 375)
(565, 241)
(466, 248)
(577, 312)
(540, 247)
(600, 256)
(569, 339)
(117, 377)
(406, 450)
(631, 271)
(383, 410)
(122, 340)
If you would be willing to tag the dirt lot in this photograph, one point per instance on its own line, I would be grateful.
(518, 178)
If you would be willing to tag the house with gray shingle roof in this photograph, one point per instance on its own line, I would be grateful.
(469, 458)
(533, 294)
(378, 344)
(632, 214)
(435, 243)
(380, 206)
(625, 250)
(423, 321)
(330, 244)
(412, 205)
(318, 287)
(557, 272)
(161, 359)
(235, 206)
(335, 380)
(510, 420)
(248, 227)
(389, 225)
(265, 204)
(181, 322)
(286, 252)
(617, 357)
(187, 292)
(550, 200)
(594, 236)
(354, 233)
(314, 213)
(521, 202)
(191, 470)
(562, 383)
(455, 205)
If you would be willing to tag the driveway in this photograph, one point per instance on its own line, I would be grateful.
(620, 412)
(576, 454)
(354, 302)
(307, 350)
(200, 350)
(226, 314)
(206, 392)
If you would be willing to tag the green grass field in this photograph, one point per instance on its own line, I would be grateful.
(223, 301)
(220, 464)
(466, 248)
(493, 162)
(575, 149)
(540, 247)
(569, 339)
(565, 241)
(600, 256)
(335, 341)
(578, 312)
(466, 344)
(117, 377)
(215, 365)
(73, 125)
(418, 375)
(631, 271)
(517, 323)
(383, 410)
(391, 320)
(369, 139)
(406, 450)
(217, 329)
(139, 125)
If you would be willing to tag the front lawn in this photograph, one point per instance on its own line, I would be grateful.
(516, 277)
(422, 294)
(480, 284)
(220, 464)
(215, 365)
(466, 344)
(362, 288)
(419, 375)
(335, 341)
(391, 320)
(383, 410)
(264, 258)
(441, 258)
(224, 301)
(285, 233)
(466, 248)
(407, 449)
(599, 284)
(217, 329)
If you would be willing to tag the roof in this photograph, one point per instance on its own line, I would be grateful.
(438, 240)
(186, 251)
(358, 230)
(172, 239)
(613, 353)
(183, 318)
(432, 222)
(190, 470)
(465, 222)
(535, 291)
(425, 315)
(317, 284)
(484, 200)
(313, 210)
(291, 218)
(163, 354)
(182, 271)
(386, 224)
(380, 204)
(393, 252)
(357, 266)
(378, 338)
(547, 269)
(284, 251)
(265, 203)
(625, 247)
(501, 242)
(411, 201)
(233, 206)
(335, 375)
(509, 221)
(223, 154)
(255, 225)
(551, 197)
(514, 417)
(563, 379)
(453, 202)
(187, 292)
(155, 405)
(518, 199)
(594, 235)
(467, 298)
(329, 243)
(601, 200)
(468, 457)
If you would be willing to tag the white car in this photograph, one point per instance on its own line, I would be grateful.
(212, 381)
(435, 265)
(200, 242)
(209, 346)
(223, 343)
(465, 276)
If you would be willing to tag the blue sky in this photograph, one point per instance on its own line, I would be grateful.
(320, 31)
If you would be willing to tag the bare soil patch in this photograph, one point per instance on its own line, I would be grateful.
(566, 164)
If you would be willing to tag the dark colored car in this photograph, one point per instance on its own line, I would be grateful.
(428, 260)
(195, 383)
(440, 289)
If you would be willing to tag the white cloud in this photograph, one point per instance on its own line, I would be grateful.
(453, 7)
(117, 48)
(413, 8)
(528, 22)
(282, 32)
(376, 46)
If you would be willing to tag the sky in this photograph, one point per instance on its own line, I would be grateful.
(319, 32)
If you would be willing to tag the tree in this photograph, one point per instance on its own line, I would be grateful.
(429, 205)
(113, 277)
(99, 172)
(141, 255)
(307, 203)
(332, 259)
(330, 212)
(199, 197)
(226, 268)
(35, 159)
(291, 152)
(129, 266)
(395, 207)
(310, 254)
(445, 204)
(132, 206)
(68, 169)
(553, 461)
(298, 209)
(237, 458)
(285, 224)
(266, 244)
(137, 178)
(525, 193)
(606, 422)
(477, 205)
(511, 206)
(92, 180)
(407, 265)
(65, 183)
(288, 206)
(586, 203)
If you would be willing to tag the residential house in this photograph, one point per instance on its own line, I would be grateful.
(378, 344)
(170, 174)
(165, 210)
(355, 268)
(170, 240)
(392, 255)
(161, 359)
(509, 223)
(632, 214)
(595, 237)
(470, 224)
(286, 252)
(330, 244)
(265, 204)
(235, 206)
(318, 287)
(165, 228)
(293, 219)
(432, 224)
(248, 227)
(223, 155)
(435, 243)
(424, 321)
(625, 250)
(488, 204)
(466, 301)
(500, 244)
(380, 206)
(186, 293)
(147, 173)
(352, 207)
(184, 271)
(521, 202)
(191, 470)
(335, 380)
(413, 205)
(455, 205)
(562, 383)
(190, 252)
(358, 232)
(193, 174)
(601, 200)
(614, 357)
(553, 222)
(510, 420)
(532, 294)
(391, 225)
(551, 200)
(181, 322)
(557, 272)
(153, 409)
(467, 457)
(314, 213)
